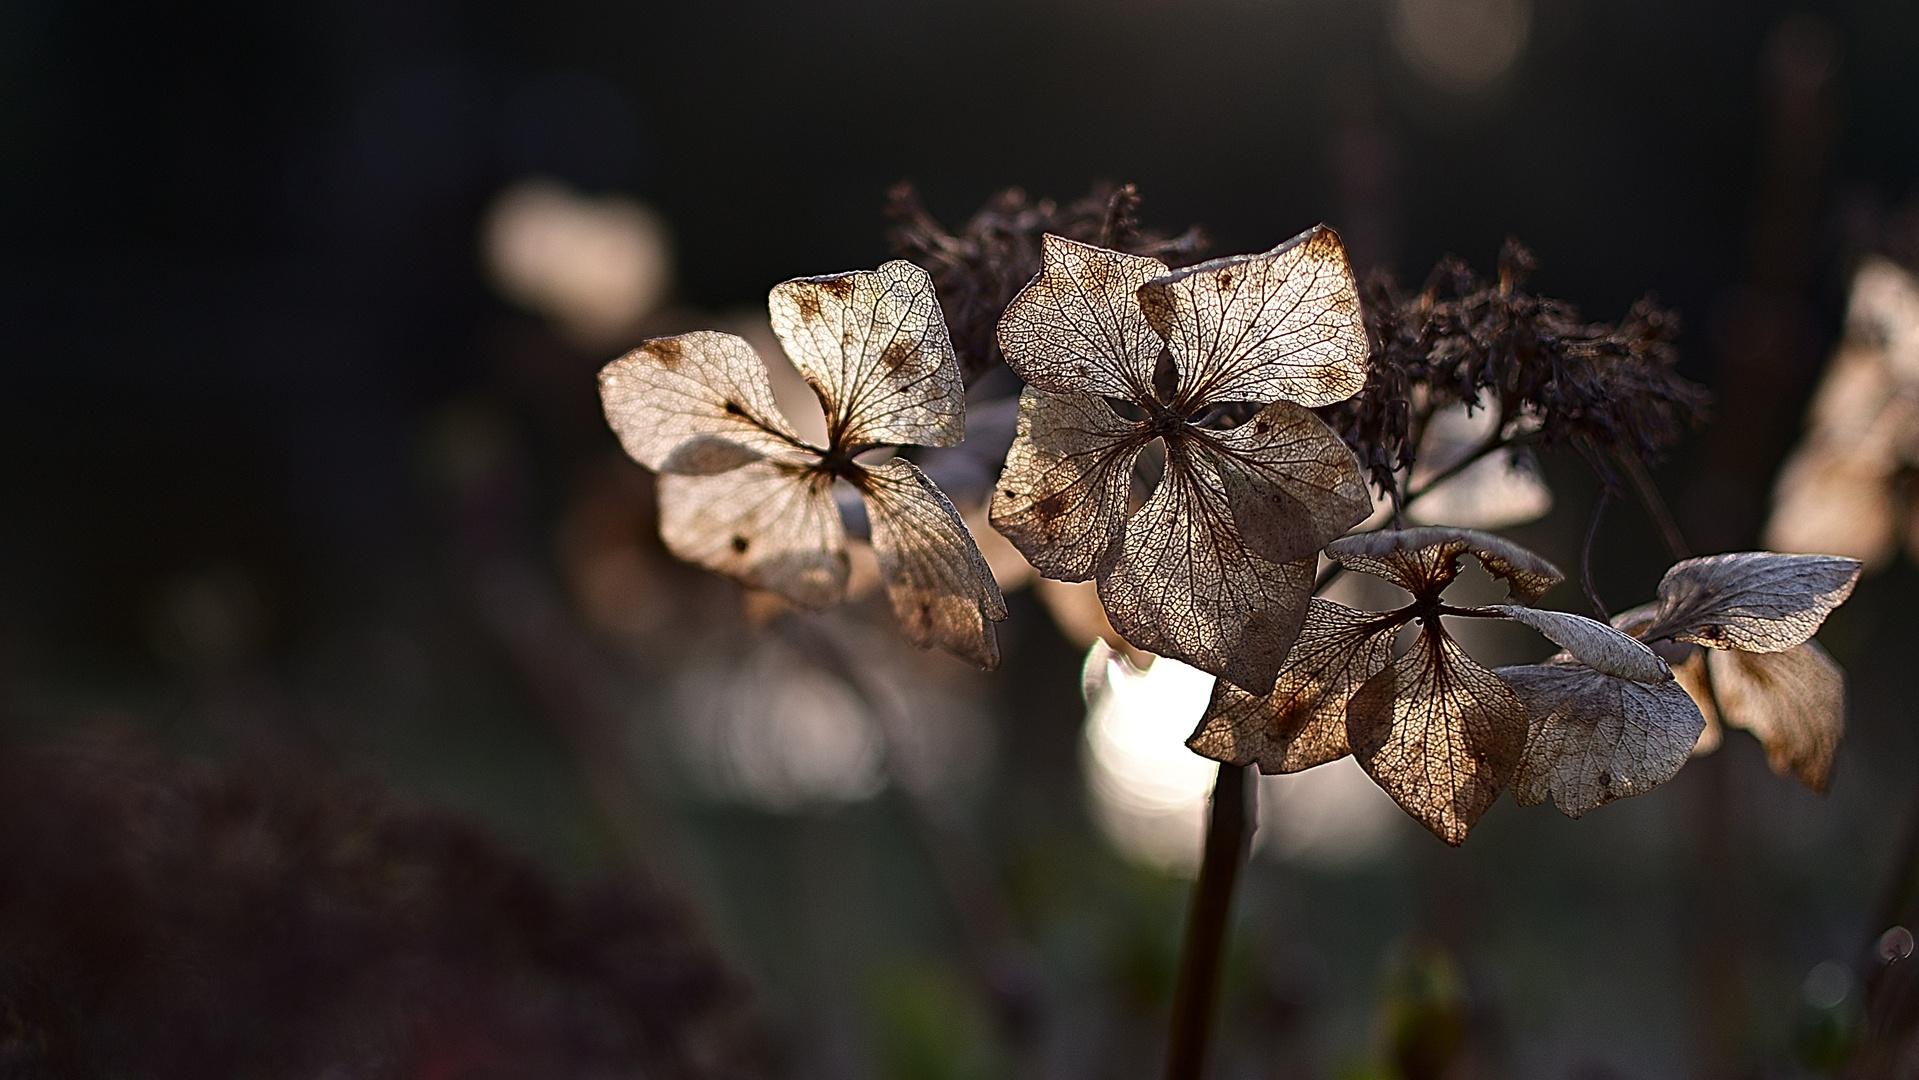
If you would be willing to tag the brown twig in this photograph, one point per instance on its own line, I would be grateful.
(1586, 556)
(1197, 990)
(1655, 504)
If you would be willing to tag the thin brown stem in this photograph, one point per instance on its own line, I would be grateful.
(1586, 556)
(1486, 449)
(1655, 504)
(1228, 832)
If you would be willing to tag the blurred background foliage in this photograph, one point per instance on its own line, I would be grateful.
(303, 483)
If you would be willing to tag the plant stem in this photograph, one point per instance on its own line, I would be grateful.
(1227, 834)
(1586, 556)
(1655, 505)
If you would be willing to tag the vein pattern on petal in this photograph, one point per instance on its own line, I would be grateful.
(1279, 326)
(875, 347)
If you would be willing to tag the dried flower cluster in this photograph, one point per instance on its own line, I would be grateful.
(1118, 353)
(1847, 488)
(742, 494)
(1599, 388)
(1193, 441)
(978, 271)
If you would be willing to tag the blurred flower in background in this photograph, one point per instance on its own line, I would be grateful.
(1461, 45)
(1846, 489)
(595, 265)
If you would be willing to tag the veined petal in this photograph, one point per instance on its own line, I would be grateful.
(1077, 327)
(1793, 701)
(704, 386)
(767, 525)
(1302, 723)
(1753, 601)
(942, 590)
(1425, 560)
(1595, 738)
(1439, 733)
(875, 347)
(1593, 643)
(1279, 326)
(1062, 493)
(1186, 585)
(1292, 484)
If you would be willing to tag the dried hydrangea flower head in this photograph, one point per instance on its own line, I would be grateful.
(1441, 734)
(1218, 363)
(741, 494)
(1737, 630)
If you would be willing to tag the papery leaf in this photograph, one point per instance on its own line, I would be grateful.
(1062, 494)
(767, 525)
(1302, 723)
(1185, 584)
(875, 348)
(1794, 701)
(1283, 325)
(1754, 601)
(1077, 327)
(1594, 738)
(1439, 733)
(1592, 643)
(941, 588)
(704, 385)
(1425, 560)
(1291, 483)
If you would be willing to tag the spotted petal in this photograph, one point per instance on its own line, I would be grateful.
(1279, 326)
(875, 348)
(1439, 733)
(706, 389)
(1077, 327)
(1062, 494)
(1302, 723)
(767, 525)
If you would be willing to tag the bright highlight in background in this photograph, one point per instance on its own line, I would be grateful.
(595, 266)
(1149, 792)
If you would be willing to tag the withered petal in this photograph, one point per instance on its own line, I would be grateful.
(1596, 737)
(875, 348)
(1425, 560)
(704, 386)
(1753, 601)
(1439, 733)
(767, 525)
(1592, 643)
(941, 588)
(1062, 493)
(1185, 584)
(1077, 328)
(1793, 701)
(1302, 723)
(1283, 325)
(1292, 484)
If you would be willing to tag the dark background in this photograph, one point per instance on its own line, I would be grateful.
(241, 309)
